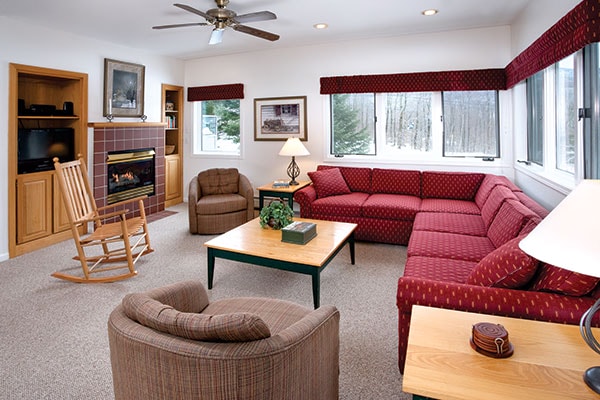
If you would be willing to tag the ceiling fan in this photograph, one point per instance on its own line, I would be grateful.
(221, 18)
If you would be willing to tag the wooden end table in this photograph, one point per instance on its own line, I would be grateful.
(279, 192)
(252, 244)
(548, 361)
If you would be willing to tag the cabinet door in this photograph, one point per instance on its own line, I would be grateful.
(34, 200)
(172, 177)
(61, 220)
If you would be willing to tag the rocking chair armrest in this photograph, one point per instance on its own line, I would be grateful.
(139, 198)
(104, 216)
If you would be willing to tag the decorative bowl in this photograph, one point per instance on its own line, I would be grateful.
(169, 149)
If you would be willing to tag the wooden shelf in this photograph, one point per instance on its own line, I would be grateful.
(49, 117)
(124, 124)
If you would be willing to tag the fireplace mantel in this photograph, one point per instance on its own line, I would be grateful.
(124, 124)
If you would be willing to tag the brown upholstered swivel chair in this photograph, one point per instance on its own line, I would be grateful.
(219, 199)
(172, 343)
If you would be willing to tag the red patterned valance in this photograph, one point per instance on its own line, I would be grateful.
(482, 79)
(578, 28)
(216, 92)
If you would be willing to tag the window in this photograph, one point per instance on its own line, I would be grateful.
(217, 127)
(566, 114)
(406, 128)
(471, 124)
(535, 118)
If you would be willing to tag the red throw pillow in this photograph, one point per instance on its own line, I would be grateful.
(328, 182)
(506, 267)
(559, 280)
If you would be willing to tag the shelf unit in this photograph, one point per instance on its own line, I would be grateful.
(37, 217)
(172, 105)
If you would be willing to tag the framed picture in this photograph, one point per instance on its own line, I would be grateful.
(123, 89)
(279, 118)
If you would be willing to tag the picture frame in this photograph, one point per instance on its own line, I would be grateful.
(123, 89)
(279, 118)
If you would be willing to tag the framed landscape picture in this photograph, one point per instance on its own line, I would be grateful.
(280, 118)
(123, 89)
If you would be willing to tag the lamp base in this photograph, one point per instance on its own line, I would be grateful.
(592, 378)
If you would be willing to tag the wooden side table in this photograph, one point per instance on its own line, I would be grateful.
(548, 362)
(286, 193)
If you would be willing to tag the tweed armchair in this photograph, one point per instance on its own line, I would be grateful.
(219, 199)
(172, 343)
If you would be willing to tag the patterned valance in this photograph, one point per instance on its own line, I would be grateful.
(578, 28)
(216, 92)
(482, 79)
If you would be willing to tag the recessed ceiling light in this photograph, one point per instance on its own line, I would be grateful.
(429, 12)
(320, 26)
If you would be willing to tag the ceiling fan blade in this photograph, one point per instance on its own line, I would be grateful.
(255, 16)
(256, 32)
(194, 11)
(179, 25)
(216, 36)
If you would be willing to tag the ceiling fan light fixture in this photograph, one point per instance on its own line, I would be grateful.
(321, 25)
(429, 12)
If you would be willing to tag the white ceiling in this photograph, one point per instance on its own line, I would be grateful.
(129, 22)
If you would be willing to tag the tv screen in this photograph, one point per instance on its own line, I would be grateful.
(37, 148)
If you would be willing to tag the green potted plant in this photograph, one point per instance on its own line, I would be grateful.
(276, 215)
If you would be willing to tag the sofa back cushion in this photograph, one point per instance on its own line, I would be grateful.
(506, 267)
(559, 280)
(358, 179)
(494, 201)
(219, 181)
(328, 182)
(509, 221)
(450, 185)
(489, 182)
(234, 327)
(396, 181)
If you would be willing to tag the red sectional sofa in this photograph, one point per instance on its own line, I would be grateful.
(461, 231)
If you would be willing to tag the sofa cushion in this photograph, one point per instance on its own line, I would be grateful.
(559, 280)
(358, 179)
(221, 204)
(328, 182)
(345, 205)
(449, 245)
(532, 204)
(396, 181)
(450, 185)
(234, 327)
(509, 221)
(487, 185)
(464, 224)
(391, 206)
(507, 267)
(450, 206)
(219, 181)
(492, 205)
(438, 269)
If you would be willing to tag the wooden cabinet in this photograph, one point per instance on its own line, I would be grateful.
(41, 99)
(172, 104)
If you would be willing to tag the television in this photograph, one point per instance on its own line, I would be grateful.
(37, 148)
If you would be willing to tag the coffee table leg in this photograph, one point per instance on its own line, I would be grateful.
(211, 267)
(316, 287)
(351, 245)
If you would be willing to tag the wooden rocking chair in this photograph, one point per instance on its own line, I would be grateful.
(118, 243)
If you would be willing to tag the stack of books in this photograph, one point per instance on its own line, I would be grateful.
(281, 184)
(298, 232)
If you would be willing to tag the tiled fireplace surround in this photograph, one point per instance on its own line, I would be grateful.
(116, 137)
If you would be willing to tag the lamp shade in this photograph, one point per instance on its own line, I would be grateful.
(569, 237)
(293, 147)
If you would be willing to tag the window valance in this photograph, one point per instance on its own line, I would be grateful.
(216, 92)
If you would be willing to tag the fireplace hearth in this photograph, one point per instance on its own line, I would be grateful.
(130, 173)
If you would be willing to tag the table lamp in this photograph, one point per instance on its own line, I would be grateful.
(293, 147)
(568, 238)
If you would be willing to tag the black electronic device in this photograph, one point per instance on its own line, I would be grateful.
(37, 148)
(42, 109)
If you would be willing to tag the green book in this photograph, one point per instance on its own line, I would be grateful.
(298, 232)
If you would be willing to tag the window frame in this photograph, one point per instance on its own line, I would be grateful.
(196, 116)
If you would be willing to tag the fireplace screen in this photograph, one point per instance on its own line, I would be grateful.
(130, 174)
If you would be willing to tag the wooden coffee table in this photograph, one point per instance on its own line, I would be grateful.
(252, 244)
(548, 361)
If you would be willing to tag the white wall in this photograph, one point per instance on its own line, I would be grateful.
(296, 72)
(31, 45)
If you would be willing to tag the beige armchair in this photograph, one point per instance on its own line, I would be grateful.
(219, 199)
(171, 343)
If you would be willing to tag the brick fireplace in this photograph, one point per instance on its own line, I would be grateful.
(118, 137)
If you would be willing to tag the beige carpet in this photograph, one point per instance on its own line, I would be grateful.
(53, 337)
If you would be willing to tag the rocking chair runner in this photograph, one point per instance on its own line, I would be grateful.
(121, 242)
